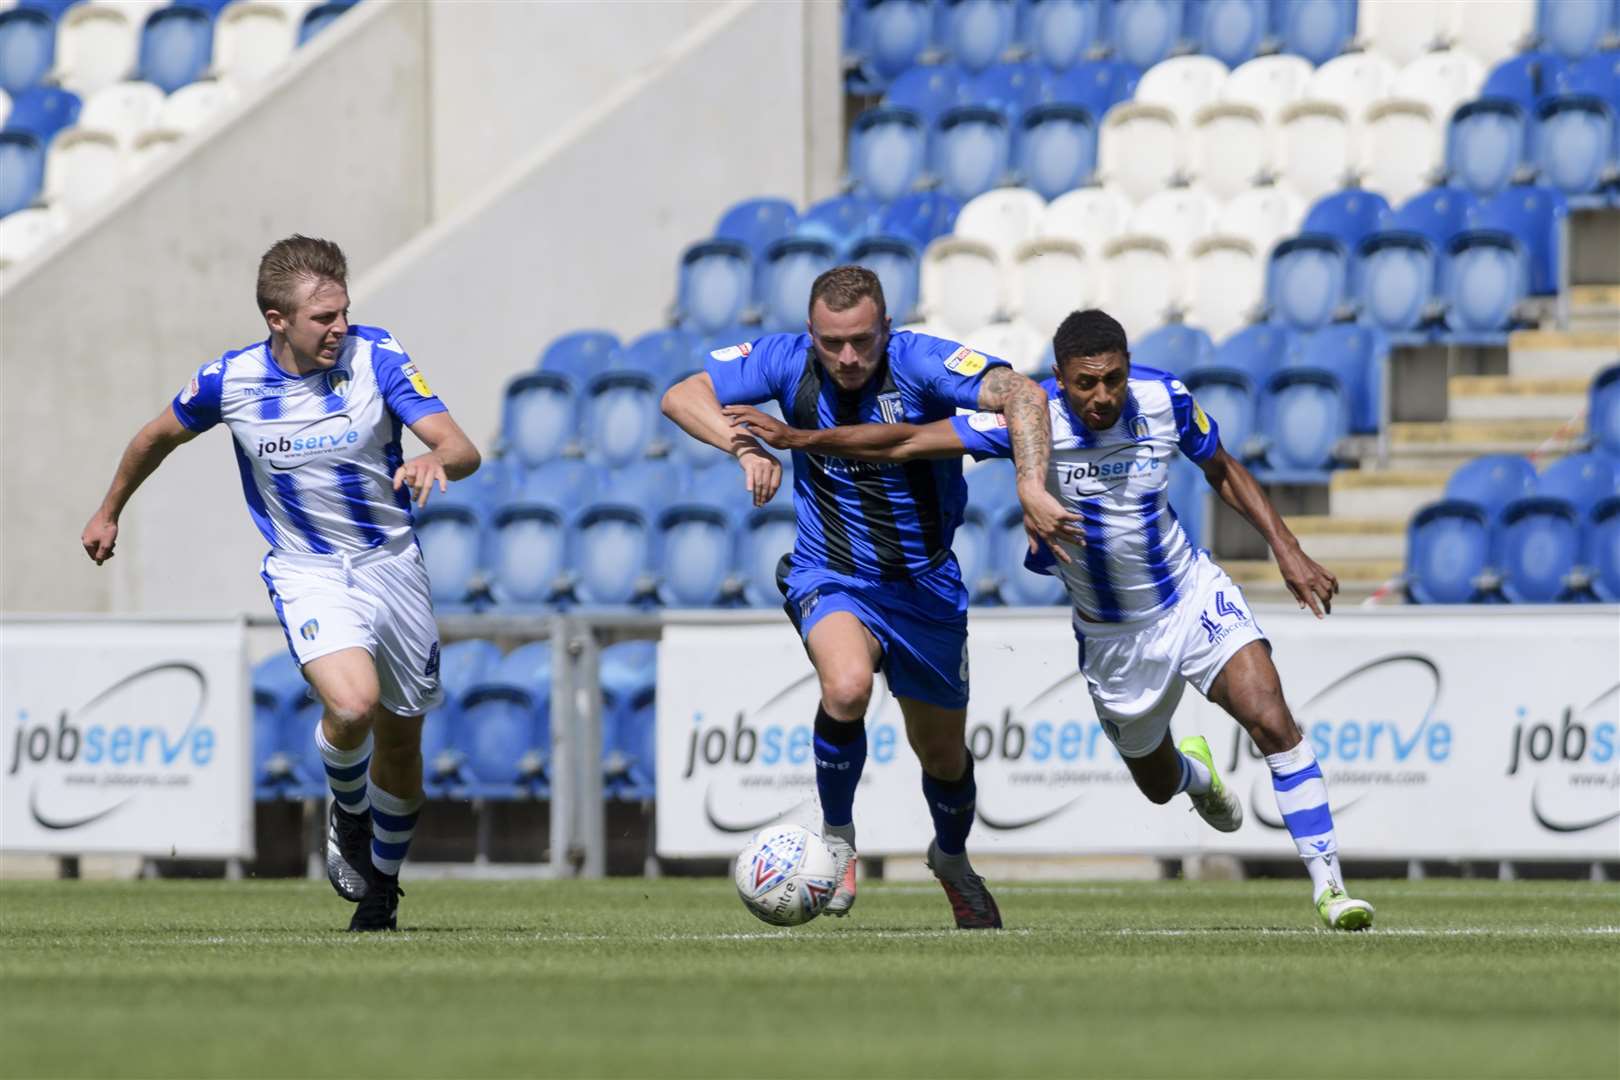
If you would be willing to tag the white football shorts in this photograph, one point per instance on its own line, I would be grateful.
(377, 601)
(1137, 671)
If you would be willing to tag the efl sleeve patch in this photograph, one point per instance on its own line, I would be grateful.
(965, 362)
(986, 421)
(734, 352)
(1200, 419)
(418, 382)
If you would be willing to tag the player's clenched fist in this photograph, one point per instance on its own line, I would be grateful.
(762, 474)
(420, 474)
(99, 537)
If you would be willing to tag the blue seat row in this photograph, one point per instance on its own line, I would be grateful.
(491, 736)
(1504, 533)
(37, 114)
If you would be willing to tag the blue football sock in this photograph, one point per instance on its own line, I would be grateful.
(951, 804)
(840, 756)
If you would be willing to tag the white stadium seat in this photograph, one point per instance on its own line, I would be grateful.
(1020, 345)
(1089, 216)
(1404, 30)
(190, 107)
(1003, 218)
(81, 168)
(24, 231)
(1493, 30)
(1262, 216)
(961, 284)
(1051, 277)
(1269, 83)
(1231, 148)
(152, 146)
(1316, 149)
(1442, 81)
(124, 110)
(251, 39)
(1402, 149)
(1180, 217)
(137, 10)
(1140, 283)
(1139, 150)
(1225, 286)
(1353, 82)
(96, 45)
(1182, 84)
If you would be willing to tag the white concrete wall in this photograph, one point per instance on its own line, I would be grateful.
(563, 154)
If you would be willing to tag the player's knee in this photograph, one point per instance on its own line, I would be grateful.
(944, 759)
(845, 694)
(1274, 730)
(349, 710)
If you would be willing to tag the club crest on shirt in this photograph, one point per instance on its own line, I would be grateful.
(732, 352)
(309, 630)
(418, 381)
(337, 382)
(1139, 428)
(965, 362)
(890, 407)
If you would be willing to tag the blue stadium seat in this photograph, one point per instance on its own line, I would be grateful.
(629, 678)
(767, 534)
(1318, 30)
(1580, 480)
(318, 18)
(1009, 88)
(1603, 411)
(977, 32)
(1009, 544)
(1533, 216)
(307, 779)
(1061, 32)
(927, 90)
(1486, 145)
(694, 548)
(503, 729)
(177, 45)
(462, 665)
(1576, 151)
(560, 483)
(27, 48)
(22, 170)
(972, 151)
(1189, 495)
(1175, 348)
(611, 537)
(528, 545)
(42, 111)
(1057, 149)
(1348, 216)
(896, 263)
(921, 217)
(1524, 79)
(1305, 414)
(1258, 352)
(1536, 548)
(537, 418)
(278, 690)
(1356, 356)
(715, 285)
(894, 33)
(1486, 276)
(1603, 550)
(1436, 215)
(991, 492)
(1231, 399)
(1094, 85)
(1397, 278)
(1597, 76)
(621, 417)
(972, 548)
(888, 152)
(661, 354)
(1491, 482)
(841, 220)
(1447, 553)
(757, 223)
(1574, 28)
(1144, 31)
(452, 539)
(1305, 281)
(1229, 30)
(791, 265)
(581, 356)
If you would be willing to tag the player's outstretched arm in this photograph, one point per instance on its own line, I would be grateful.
(451, 456)
(1312, 585)
(863, 442)
(142, 456)
(692, 404)
(1029, 429)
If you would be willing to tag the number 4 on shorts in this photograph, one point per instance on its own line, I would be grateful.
(1223, 608)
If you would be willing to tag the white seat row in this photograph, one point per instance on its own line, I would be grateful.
(1402, 30)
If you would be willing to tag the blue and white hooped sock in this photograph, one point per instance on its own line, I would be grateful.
(346, 772)
(1302, 800)
(840, 751)
(951, 804)
(393, 821)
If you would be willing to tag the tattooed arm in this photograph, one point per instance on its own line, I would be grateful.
(1029, 428)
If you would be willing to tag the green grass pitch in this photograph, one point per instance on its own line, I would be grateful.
(674, 978)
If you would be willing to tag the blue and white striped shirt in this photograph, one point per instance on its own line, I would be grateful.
(317, 453)
(1136, 557)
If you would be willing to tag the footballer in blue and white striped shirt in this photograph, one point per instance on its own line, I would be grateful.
(315, 412)
(1151, 612)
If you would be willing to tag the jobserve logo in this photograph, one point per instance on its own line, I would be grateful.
(1570, 757)
(313, 441)
(85, 764)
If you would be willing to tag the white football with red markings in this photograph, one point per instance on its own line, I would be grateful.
(786, 874)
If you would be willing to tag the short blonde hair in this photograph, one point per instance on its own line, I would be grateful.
(842, 287)
(292, 262)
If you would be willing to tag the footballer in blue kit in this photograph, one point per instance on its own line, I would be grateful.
(315, 413)
(871, 583)
(1151, 613)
